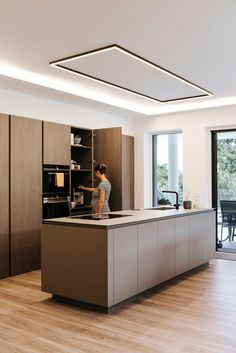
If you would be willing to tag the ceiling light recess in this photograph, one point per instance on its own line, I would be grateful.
(120, 68)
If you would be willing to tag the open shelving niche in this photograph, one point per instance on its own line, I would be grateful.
(82, 174)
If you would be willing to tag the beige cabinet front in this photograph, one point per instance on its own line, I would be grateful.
(208, 236)
(166, 250)
(181, 245)
(195, 235)
(147, 256)
(125, 263)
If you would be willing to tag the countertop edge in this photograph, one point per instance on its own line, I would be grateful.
(125, 223)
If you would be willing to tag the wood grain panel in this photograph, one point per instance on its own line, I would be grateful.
(4, 196)
(107, 149)
(127, 172)
(71, 267)
(26, 194)
(56, 143)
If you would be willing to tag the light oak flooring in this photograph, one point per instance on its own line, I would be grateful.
(194, 314)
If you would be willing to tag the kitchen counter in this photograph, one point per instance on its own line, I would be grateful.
(106, 262)
(133, 217)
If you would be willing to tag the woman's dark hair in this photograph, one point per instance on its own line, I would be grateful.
(101, 168)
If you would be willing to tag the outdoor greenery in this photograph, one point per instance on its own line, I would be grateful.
(162, 176)
(162, 180)
(226, 169)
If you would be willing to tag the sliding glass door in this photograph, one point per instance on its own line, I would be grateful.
(224, 188)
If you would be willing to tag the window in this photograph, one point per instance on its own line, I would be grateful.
(224, 188)
(167, 167)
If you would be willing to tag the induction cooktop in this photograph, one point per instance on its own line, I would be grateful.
(99, 217)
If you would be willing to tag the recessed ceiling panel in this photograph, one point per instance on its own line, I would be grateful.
(118, 67)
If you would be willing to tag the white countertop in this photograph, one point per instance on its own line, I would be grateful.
(133, 217)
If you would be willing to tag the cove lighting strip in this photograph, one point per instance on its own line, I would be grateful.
(60, 64)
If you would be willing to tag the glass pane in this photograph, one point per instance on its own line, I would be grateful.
(167, 168)
(226, 165)
(226, 190)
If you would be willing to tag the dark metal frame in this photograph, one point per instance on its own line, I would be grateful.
(57, 63)
(214, 171)
(154, 170)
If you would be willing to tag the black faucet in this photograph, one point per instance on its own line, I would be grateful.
(177, 197)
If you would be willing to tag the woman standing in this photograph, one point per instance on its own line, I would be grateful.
(100, 194)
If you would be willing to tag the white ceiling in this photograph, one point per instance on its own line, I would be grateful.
(193, 39)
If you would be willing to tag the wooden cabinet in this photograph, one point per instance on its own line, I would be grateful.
(202, 238)
(26, 193)
(56, 143)
(208, 236)
(117, 152)
(166, 251)
(127, 172)
(81, 167)
(107, 146)
(181, 245)
(125, 263)
(124, 260)
(147, 256)
(4, 196)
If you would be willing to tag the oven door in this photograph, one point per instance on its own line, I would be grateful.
(50, 185)
(56, 208)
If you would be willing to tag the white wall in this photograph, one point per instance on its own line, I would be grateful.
(29, 106)
(196, 127)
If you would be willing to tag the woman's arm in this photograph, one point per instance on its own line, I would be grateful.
(101, 198)
(81, 187)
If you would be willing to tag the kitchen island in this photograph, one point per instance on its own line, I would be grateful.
(105, 262)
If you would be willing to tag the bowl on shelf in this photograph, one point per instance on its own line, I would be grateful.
(77, 140)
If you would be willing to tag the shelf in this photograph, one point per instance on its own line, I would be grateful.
(82, 155)
(81, 146)
(81, 170)
(77, 208)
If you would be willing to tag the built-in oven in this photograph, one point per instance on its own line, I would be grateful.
(56, 179)
(56, 191)
(54, 207)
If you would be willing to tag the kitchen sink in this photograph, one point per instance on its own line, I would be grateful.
(99, 217)
(161, 208)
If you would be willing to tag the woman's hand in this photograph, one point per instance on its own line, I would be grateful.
(85, 188)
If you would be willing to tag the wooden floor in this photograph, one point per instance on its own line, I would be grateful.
(196, 314)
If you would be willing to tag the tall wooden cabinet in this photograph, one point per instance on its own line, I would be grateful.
(4, 195)
(107, 146)
(26, 193)
(127, 174)
(25, 145)
(117, 152)
(56, 143)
